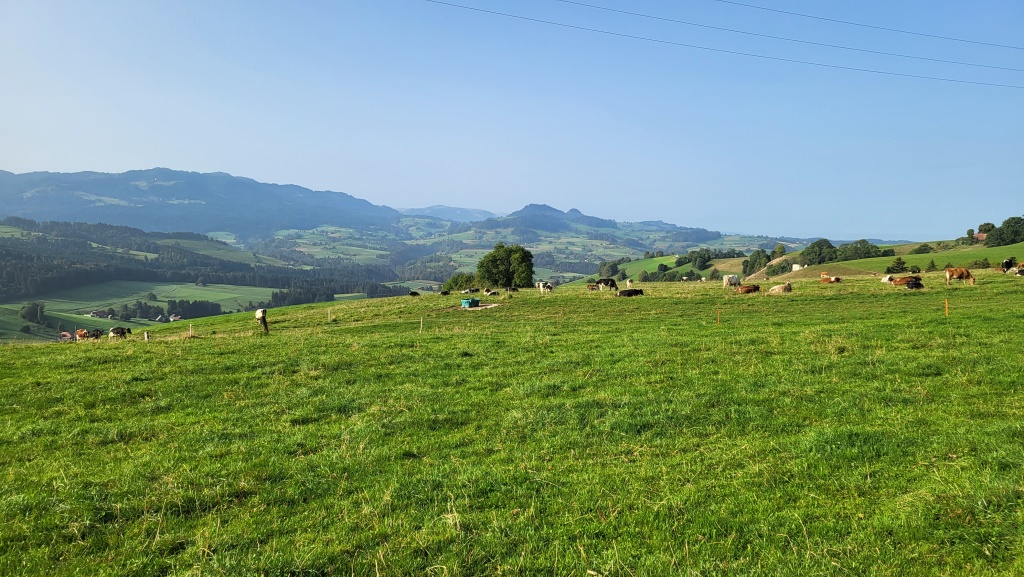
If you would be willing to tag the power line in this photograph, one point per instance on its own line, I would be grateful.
(724, 51)
(865, 50)
(871, 26)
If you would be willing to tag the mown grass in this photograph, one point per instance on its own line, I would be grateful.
(841, 429)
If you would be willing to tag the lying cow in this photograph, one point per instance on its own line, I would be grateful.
(903, 281)
(831, 279)
(958, 273)
(887, 278)
(747, 289)
(1008, 263)
(782, 288)
(915, 283)
(630, 293)
(119, 332)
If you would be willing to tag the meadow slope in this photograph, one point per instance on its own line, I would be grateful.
(841, 429)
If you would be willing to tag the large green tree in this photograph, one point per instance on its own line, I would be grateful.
(1010, 232)
(33, 312)
(820, 251)
(858, 249)
(506, 266)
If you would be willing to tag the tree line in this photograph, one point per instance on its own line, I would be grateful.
(53, 256)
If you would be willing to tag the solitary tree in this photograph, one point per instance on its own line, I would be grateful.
(897, 266)
(506, 266)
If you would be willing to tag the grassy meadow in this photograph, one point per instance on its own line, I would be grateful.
(841, 429)
(69, 307)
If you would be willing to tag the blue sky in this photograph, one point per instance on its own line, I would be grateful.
(411, 103)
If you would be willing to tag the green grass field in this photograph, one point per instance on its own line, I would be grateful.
(69, 306)
(840, 429)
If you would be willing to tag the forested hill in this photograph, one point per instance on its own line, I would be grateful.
(38, 258)
(165, 200)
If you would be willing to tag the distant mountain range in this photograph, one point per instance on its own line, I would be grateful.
(165, 200)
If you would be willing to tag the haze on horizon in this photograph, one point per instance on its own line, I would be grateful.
(497, 104)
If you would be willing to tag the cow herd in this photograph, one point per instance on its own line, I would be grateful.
(95, 334)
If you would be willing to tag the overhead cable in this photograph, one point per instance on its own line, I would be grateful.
(880, 52)
(940, 37)
(724, 51)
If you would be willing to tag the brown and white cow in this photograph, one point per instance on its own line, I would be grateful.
(958, 273)
(81, 334)
(782, 288)
(747, 289)
(903, 281)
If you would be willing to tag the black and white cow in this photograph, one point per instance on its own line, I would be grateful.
(119, 332)
(608, 283)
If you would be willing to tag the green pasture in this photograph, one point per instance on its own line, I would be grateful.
(850, 429)
(336, 242)
(224, 252)
(69, 307)
(11, 231)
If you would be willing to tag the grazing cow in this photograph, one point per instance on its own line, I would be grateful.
(261, 317)
(445, 293)
(902, 281)
(782, 288)
(81, 334)
(958, 273)
(747, 289)
(95, 334)
(629, 283)
(414, 294)
(730, 280)
(544, 287)
(915, 283)
(608, 283)
(630, 293)
(119, 332)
